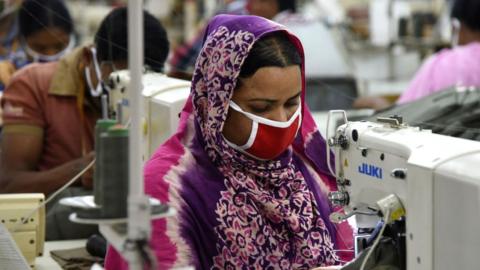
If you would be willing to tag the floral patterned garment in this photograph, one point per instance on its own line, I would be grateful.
(236, 212)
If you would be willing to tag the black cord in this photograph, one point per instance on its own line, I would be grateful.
(146, 262)
(148, 259)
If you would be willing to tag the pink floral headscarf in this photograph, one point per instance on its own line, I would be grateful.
(236, 212)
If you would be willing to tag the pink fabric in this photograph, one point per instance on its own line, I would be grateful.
(447, 68)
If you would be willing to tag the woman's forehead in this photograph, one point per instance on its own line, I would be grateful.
(271, 83)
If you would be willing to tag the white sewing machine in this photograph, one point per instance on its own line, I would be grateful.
(19, 214)
(435, 177)
(164, 98)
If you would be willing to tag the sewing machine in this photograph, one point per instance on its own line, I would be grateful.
(19, 213)
(434, 177)
(163, 100)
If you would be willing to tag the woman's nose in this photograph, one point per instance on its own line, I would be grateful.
(280, 115)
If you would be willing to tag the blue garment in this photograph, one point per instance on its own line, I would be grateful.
(16, 56)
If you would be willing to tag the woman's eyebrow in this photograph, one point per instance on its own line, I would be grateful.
(275, 100)
(264, 100)
(296, 95)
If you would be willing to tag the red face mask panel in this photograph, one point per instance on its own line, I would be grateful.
(268, 139)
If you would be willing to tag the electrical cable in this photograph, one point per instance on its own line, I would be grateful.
(151, 257)
(377, 240)
(19, 223)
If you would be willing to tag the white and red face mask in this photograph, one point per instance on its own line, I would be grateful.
(268, 138)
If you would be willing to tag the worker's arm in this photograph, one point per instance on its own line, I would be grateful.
(20, 155)
(6, 72)
(23, 104)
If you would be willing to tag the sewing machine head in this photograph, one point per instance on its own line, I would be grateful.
(371, 163)
(433, 176)
(163, 100)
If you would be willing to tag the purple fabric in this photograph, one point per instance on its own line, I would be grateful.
(450, 67)
(236, 212)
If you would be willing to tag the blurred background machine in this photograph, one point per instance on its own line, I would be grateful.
(360, 47)
(25, 221)
(386, 169)
(453, 112)
(388, 39)
(163, 100)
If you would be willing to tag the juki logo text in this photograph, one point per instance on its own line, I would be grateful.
(370, 170)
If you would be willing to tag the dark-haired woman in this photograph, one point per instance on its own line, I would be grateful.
(45, 32)
(50, 110)
(246, 169)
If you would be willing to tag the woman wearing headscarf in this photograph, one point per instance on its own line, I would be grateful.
(246, 169)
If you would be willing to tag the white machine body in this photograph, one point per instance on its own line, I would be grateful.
(436, 178)
(164, 98)
(29, 236)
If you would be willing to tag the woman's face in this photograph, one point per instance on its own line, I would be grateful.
(272, 93)
(106, 67)
(49, 41)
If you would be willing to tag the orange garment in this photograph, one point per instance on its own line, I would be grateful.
(42, 100)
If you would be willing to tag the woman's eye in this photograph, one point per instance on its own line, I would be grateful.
(259, 109)
(292, 103)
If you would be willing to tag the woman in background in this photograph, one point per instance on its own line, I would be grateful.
(459, 66)
(9, 45)
(45, 32)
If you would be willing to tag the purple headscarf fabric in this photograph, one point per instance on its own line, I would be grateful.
(236, 212)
